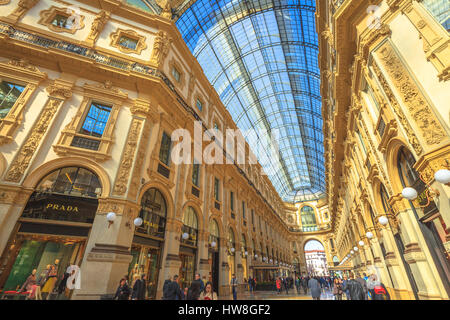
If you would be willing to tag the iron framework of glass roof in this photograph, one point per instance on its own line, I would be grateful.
(261, 56)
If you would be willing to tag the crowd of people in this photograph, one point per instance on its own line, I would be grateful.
(352, 288)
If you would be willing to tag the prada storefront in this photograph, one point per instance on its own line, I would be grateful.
(148, 240)
(51, 233)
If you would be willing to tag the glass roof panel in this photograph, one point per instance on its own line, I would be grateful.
(262, 58)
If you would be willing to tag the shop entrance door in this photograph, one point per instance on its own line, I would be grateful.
(187, 269)
(38, 252)
(215, 270)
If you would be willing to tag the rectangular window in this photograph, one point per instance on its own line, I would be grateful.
(128, 42)
(381, 127)
(176, 74)
(216, 189)
(232, 201)
(195, 173)
(61, 21)
(253, 217)
(164, 151)
(243, 210)
(362, 142)
(9, 93)
(199, 105)
(96, 119)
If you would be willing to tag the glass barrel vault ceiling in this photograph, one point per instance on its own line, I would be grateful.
(262, 58)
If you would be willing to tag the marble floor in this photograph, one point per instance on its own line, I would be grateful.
(272, 295)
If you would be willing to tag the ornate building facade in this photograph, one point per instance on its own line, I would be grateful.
(91, 93)
(385, 88)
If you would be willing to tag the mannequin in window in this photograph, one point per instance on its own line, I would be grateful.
(31, 280)
(51, 279)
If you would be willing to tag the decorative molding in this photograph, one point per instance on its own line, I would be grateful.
(3, 2)
(140, 41)
(412, 138)
(412, 97)
(48, 15)
(22, 7)
(21, 71)
(58, 92)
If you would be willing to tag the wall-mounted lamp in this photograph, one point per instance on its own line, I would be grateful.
(441, 176)
(185, 236)
(369, 235)
(355, 248)
(383, 220)
(361, 243)
(213, 244)
(232, 250)
(110, 217)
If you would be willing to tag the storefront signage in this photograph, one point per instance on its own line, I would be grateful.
(424, 199)
(60, 207)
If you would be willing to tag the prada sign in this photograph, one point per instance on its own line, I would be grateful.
(60, 207)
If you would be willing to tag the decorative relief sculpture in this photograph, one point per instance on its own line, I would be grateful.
(166, 8)
(120, 187)
(160, 48)
(97, 26)
(412, 97)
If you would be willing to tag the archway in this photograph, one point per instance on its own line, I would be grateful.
(52, 231)
(316, 260)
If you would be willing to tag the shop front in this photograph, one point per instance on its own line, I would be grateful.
(213, 254)
(49, 238)
(231, 253)
(188, 247)
(148, 241)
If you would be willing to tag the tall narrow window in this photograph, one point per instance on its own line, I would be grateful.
(164, 151)
(232, 201)
(253, 217)
(96, 119)
(199, 105)
(216, 189)
(9, 93)
(243, 210)
(195, 174)
(176, 74)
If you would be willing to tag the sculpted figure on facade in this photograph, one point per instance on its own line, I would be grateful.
(97, 26)
(22, 7)
(160, 48)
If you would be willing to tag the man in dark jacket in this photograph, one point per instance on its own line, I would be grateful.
(199, 280)
(363, 283)
(174, 291)
(123, 291)
(304, 282)
(354, 288)
(139, 289)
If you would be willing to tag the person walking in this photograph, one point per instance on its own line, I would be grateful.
(363, 284)
(278, 284)
(194, 290)
(139, 289)
(199, 280)
(123, 291)
(314, 285)
(297, 284)
(354, 288)
(208, 293)
(305, 284)
(344, 284)
(286, 285)
(234, 284)
(250, 284)
(377, 289)
(174, 290)
(337, 289)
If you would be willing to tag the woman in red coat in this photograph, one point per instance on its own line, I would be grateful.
(278, 283)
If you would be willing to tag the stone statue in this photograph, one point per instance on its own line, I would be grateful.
(97, 26)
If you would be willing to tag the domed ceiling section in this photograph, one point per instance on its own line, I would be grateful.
(262, 59)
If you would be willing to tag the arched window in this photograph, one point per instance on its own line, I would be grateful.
(190, 226)
(154, 213)
(67, 194)
(214, 232)
(308, 219)
(72, 181)
(243, 244)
